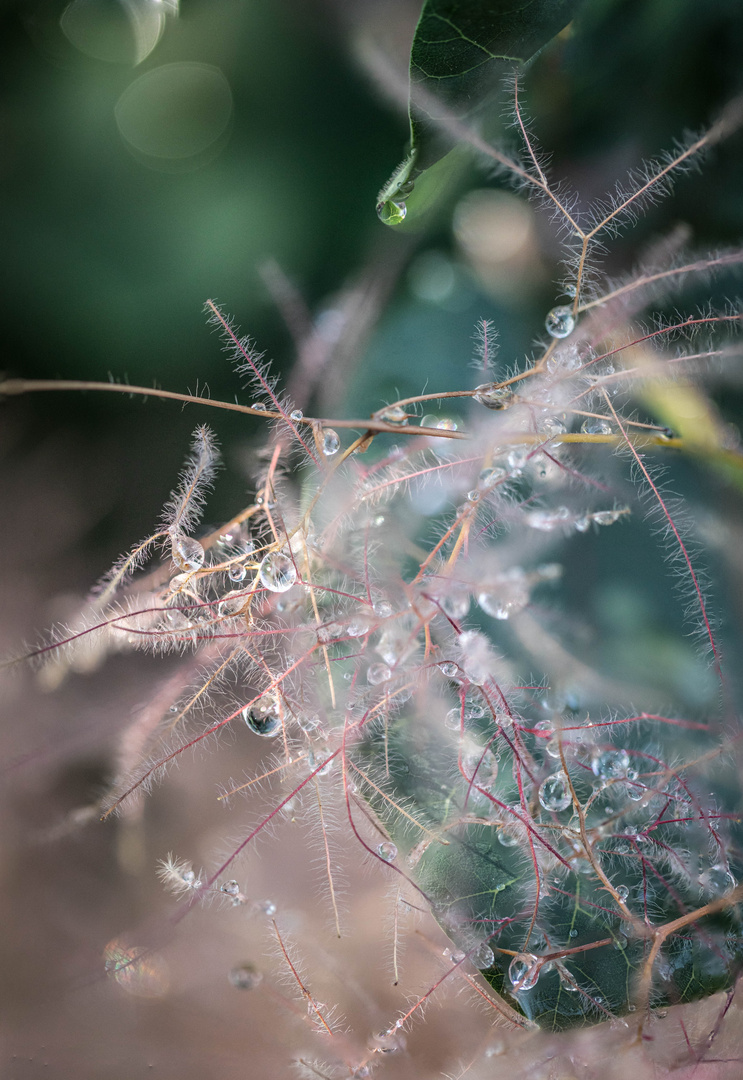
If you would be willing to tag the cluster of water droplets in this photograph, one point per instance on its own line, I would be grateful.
(547, 520)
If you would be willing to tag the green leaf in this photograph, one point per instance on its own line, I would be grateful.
(461, 51)
(474, 853)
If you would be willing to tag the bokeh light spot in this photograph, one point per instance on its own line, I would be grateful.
(175, 112)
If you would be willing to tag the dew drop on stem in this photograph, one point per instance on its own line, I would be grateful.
(523, 971)
(596, 426)
(493, 396)
(188, 553)
(331, 442)
(263, 720)
(394, 415)
(611, 764)
(560, 322)
(717, 880)
(277, 572)
(554, 793)
(378, 673)
(483, 957)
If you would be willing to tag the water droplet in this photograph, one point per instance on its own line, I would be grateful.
(237, 572)
(552, 426)
(231, 888)
(188, 553)
(606, 517)
(483, 957)
(357, 628)
(449, 669)
(229, 606)
(596, 426)
(573, 933)
(387, 851)
(622, 892)
(473, 496)
(554, 793)
(392, 211)
(382, 609)
(384, 1043)
(266, 907)
(523, 971)
(331, 442)
(560, 322)
(493, 396)
(447, 424)
(582, 524)
(190, 879)
(263, 719)
(245, 977)
(457, 956)
(378, 673)
(505, 603)
(507, 839)
(430, 420)
(717, 880)
(453, 719)
(277, 572)
(611, 764)
(296, 415)
(394, 415)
